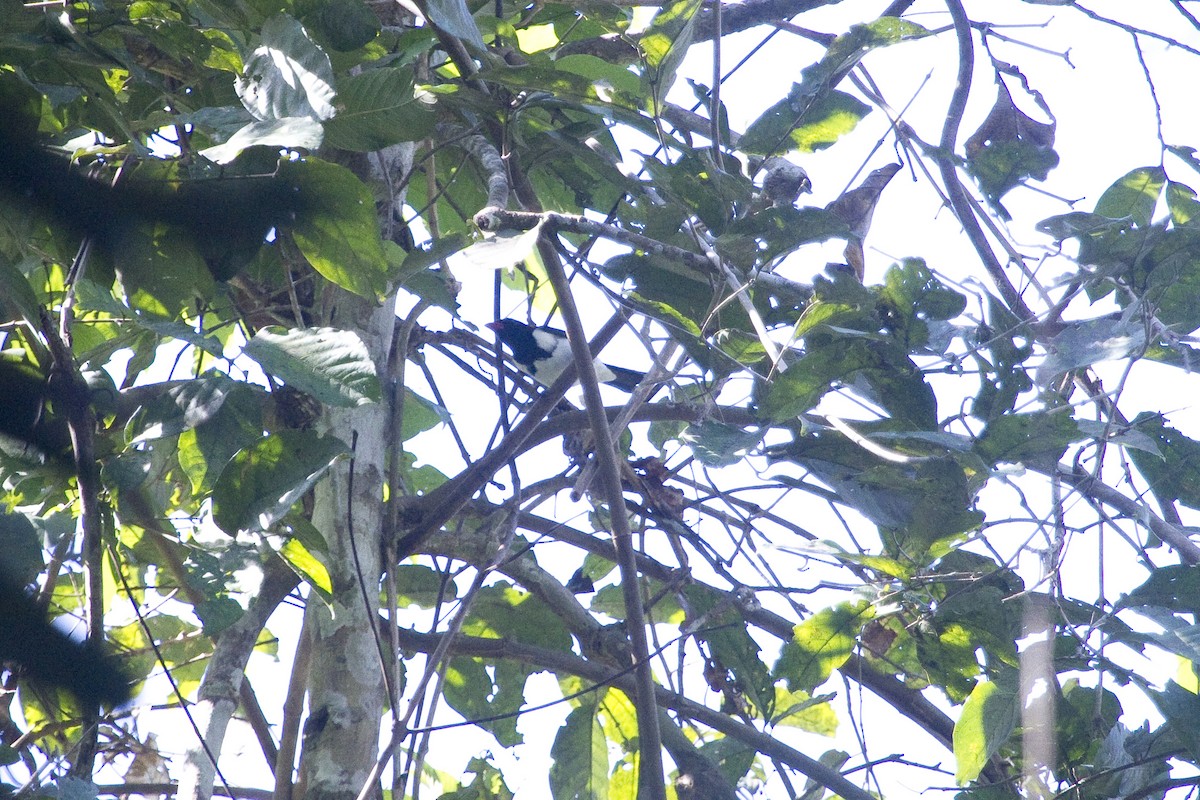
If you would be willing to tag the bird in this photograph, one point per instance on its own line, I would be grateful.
(543, 353)
(856, 207)
(784, 182)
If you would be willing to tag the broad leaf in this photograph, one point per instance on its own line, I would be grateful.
(733, 648)
(333, 366)
(1174, 471)
(345, 24)
(988, 719)
(1134, 195)
(503, 250)
(182, 407)
(287, 75)
(1041, 437)
(377, 108)
(337, 229)
(821, 644)
(664, 45)
(260, 483)
(580, 753)
(22, 548)
(454, 17)
(296, 133)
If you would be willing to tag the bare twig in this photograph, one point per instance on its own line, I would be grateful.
(955, 191)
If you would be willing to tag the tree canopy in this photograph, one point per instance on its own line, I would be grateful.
(904, 501)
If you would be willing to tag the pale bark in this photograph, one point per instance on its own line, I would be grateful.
(218, 693)
(346, 689)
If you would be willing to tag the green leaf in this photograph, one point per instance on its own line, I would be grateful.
(337, 229)
(345, 24)
(217, 614)
(821, 644)
(1041, 437)
(332, 365)
(910, 289)
(800, 710)
(160, 270)
(287, 75)
(1081, 344)
(454, 17)
(988, 719)
(580, 753)
(601, 72)
(22, 549)
(1181, 709)
(503, 250)
(1174, 586)
(1173, 473)
(1009, 148)
(261, 482)
(1133, 195)
(181, 407)
(1077, 224)
(733, 758)
(814, 114)
(1167, 277)
(732, 646)
(307, 566)
(948, 657)
(1182, 204)
(377, 108)
(1174, 634)
(937, 500)
(716, 444)
(421, 586)
(1002, 375)
(295, 133)
(803, 123)
(488, 784)
(501, 611)
(664, 44)
(420, 415)
(205, 449)
(835, 760)
(878, 372)
(17, 300)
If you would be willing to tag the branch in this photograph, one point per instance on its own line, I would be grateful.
(909, 702)
(651, 776)
(495, 219)
(430, 512)
(1176, 536)
(225, 676)
(735, 17)
(959, 202)
(486, 156)
(149, 789)
(600, 675)
(81, 424)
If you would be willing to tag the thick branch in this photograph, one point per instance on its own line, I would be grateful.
(225, 676)
(651, 779)
(602, 676)
(432, 511)
(1176, 536)
(909, 702)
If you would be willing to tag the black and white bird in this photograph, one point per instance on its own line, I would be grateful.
(544, 352)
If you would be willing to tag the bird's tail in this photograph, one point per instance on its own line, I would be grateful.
(624, 379)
